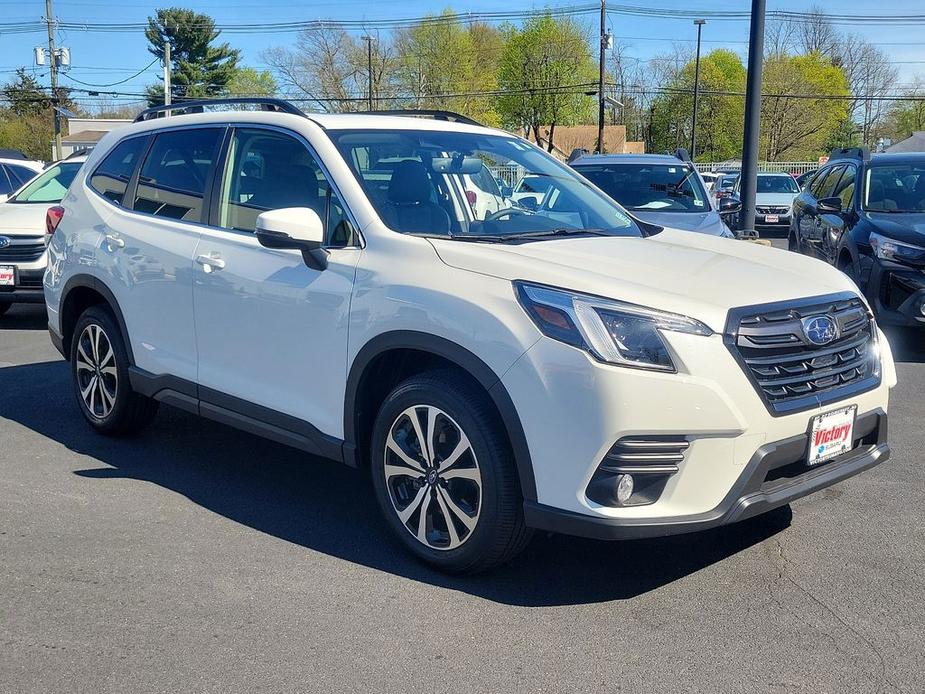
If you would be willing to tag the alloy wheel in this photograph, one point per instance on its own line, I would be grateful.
(433, 477)
(97, 377)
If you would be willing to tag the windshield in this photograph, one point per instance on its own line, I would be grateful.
(777, 184)
(50, 186)
(474, 187)
(655, 187)
(895, 188)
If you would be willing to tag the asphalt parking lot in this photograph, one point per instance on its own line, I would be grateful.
(198, 558)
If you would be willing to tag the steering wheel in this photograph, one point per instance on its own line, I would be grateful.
(507, 212)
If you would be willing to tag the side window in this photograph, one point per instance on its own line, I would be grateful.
(112, 175)
(5, 186)
(827, 185)
(20, 175)
(268, 170)
(173, 176)
(845, 188)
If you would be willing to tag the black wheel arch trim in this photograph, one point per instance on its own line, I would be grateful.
(461, 357)
(94, 283)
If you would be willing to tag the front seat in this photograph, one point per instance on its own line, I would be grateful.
(410, 207)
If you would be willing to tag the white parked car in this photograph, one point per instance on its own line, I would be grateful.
(774, 198)
(15, 173)
(23, 233)
(496, 375)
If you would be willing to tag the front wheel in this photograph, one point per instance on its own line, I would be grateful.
(99, 369)
(444, 474)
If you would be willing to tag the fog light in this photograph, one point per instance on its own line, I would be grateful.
(624, 488)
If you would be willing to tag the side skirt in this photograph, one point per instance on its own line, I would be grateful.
(238, 413)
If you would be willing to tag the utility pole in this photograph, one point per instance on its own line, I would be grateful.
(167, 85)
(53, 71)
(699, 23)
(600, 80)
(369, 69)
(752, 117)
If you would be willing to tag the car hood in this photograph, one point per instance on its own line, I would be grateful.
(696, 275)
(707, 222)
(781, 199)
(901, 226)
(22, 219)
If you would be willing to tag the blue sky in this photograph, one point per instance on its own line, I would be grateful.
(106, 58)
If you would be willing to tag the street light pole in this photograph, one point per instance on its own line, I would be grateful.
(749, 173)
(600, 80)
(369, 69)
(699, 23)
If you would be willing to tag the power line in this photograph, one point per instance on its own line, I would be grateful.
(112, 84)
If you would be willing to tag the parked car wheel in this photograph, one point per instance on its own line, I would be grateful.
(792, 243)
(99, 368)
(444, 474)
(4, 308)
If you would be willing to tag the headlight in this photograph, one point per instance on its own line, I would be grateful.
(897, 251)
(613, 331)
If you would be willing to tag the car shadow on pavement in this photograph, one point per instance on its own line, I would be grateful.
(25, 317)
(330, 508)
(907, 344)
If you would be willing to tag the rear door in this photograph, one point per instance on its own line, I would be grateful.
(148, 242)
(832, 226)
(271, 331)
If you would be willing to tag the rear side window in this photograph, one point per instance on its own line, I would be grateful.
(20, 175)
(112, 176)
(174, 174)
(6, 187)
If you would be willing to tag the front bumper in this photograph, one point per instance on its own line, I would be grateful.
(28, 288)
(776, 475)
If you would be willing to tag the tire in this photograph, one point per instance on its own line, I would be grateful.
(792, 243)
(4, 308)
(473, 506)
(100, 377)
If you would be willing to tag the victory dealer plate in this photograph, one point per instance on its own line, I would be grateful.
(772, 218)
(7, 276)
(831, 434)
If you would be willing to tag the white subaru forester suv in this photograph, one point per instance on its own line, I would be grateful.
(321, 280)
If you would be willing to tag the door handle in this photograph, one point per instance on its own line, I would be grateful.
(114, 241)
(210, 262)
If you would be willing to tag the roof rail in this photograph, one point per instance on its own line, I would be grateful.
(200, 105)
(682, 154)
(577, 153)
(861, 153)
(435, 114)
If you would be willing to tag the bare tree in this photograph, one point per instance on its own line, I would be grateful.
(871, 76)
(816, 34)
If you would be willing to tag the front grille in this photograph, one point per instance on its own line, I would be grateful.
(788, 370)
(22, 252)
(764, 209)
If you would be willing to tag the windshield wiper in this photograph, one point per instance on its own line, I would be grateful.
(551, 233)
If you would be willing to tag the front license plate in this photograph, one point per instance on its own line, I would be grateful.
(831, 434)
(771, 218)
(7, 276)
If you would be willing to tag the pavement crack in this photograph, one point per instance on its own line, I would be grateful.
(783, 575)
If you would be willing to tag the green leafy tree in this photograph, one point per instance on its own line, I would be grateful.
(198, 66)
(794, 128)
(543, 74)
(24, 96)
(445, 65)
(26, 115)
(248, 81)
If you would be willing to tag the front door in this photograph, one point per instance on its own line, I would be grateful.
(270, 330)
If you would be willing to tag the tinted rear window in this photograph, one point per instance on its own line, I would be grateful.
(112, 175)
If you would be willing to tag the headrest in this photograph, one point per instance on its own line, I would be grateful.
(410, 183)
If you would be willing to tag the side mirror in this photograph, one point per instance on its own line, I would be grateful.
(729, 205)
(296, 228)
(829, 205)
(528, 202)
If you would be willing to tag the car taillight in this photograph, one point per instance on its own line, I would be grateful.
(470, 196)
(53, 218)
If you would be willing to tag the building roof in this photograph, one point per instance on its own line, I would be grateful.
(84, 137)
(914, 143)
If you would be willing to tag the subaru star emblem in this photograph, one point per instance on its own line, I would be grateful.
(820, 330)
(4, 241)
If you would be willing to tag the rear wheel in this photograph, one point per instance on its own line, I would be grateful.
(99, 369)
(444, 474)
(4, 308)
